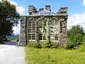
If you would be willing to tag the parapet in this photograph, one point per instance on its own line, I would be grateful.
(47, 7)
(47, 11)
(32, 9)
(63, 10)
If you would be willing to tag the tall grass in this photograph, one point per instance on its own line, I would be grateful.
(54, 56)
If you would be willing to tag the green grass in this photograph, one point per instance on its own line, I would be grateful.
(13, 38)
(54, 56)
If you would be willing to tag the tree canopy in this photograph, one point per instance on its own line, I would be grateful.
(74, 31)
(75, 36)
(8, 16)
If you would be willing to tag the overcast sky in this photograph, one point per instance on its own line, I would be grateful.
(76, 10)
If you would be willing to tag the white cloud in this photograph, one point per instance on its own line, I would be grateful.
(12, 2)
(20, 10)
(83, 2)
(76, 19)
(16, 29)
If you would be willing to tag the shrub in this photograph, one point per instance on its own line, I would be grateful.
(30, 44)
(74, 43)
(78, 39)
(46, 44)
(82, 47)
(36, 45)
(54, 44)
(83, 39)
(69, 44)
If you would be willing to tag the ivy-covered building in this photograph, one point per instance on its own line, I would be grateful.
(43, 24)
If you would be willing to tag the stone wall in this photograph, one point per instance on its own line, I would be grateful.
(30, 26)
(22, 38)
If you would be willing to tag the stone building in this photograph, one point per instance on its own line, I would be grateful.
(43, 24)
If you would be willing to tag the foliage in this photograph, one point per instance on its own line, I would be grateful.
(82, 47)
(83, 39)
(36, 45)
(54, 56)
(75, 42)
(8, 17)
(13, 38)
(54, 45)
(74, 31)
(78, 39)
(75, 36)
(69, 44)
(44, 25)
(46, 44)
(30, 44)
(44, 29)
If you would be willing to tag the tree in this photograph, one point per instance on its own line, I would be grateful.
(75, 36)
(78, 39)
(74, 31)
(8, 17)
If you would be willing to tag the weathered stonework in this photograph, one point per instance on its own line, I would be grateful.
(40, 24)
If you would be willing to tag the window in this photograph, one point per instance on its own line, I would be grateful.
(33, 36)
(56, 37)
(29, 36)
(40, 36)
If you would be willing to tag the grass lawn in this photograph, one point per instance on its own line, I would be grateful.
(54, 56)
(12, 38)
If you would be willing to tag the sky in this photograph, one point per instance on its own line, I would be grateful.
(76, 10)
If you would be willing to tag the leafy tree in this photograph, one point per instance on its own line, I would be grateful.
(69, 44)
(78, 39)
(74, 31)
(75, 36)
(8, 17)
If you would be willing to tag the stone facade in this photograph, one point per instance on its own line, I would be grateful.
(44, 24)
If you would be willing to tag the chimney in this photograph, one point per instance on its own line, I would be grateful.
(32, 9)
(41, 9)
(47, 7)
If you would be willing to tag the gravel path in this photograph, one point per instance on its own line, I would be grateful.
(10, 54)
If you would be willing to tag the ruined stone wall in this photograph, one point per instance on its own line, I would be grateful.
(56, 26)
(22, 38)
(63, 31)
(30, 25)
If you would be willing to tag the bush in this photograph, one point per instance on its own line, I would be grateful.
(82, 47)
(36, 45)
(46, 44)
(83, 39)
(49, 45)
(75, 42)
(69, 44)
(54, 44)
(30, 44)
(78, 39)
